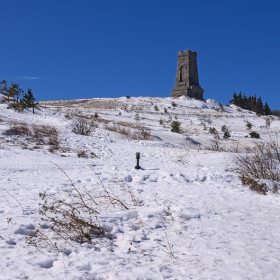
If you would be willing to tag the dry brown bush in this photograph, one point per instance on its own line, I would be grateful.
(19, 128)
(254, 185)
(260, 162)
(119, 129)
(44, 133)
(86, 154)
(73, 214)
(216, 145)
(143, 132)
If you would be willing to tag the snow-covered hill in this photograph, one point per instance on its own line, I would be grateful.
(192, 217)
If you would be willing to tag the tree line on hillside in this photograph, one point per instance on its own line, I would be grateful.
(16, 97)
(251, 103)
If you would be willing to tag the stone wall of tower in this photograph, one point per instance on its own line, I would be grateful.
(187, 82)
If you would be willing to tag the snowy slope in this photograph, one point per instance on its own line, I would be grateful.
(195, 219)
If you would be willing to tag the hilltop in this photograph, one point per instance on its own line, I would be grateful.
(184, 215)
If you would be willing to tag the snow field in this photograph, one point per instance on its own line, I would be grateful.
(195, 221)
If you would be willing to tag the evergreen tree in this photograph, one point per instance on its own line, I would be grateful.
(15, 92)
(176, 126)
(4, 90)
(248, 125)
(259, 106)
(224, 128)
(244, 101)
(226, 134)
(266, 109)
(254, 134)
(234, 99)
(28, 100)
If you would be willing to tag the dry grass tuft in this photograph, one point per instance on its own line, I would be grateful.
(119, 129)
(139, 132)
(86, 154)
(254, 185)
(41, 133)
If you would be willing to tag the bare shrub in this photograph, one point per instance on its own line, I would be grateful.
(262, 161)
(83, 126)
(73, 215)
(123, 185)
(234, 147)
(215, 145)
(18, 128)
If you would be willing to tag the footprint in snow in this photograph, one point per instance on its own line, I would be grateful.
(11, 242)
(46, 263)
(26, 230)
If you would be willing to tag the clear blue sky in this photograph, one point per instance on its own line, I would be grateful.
(111, 48)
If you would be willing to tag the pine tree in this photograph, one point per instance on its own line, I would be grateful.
(259, 106)
(239, 100)
(234, 99)
(226, 134)
(4, 90)
(176, 126)
(15, 92)
(266, 109)
(28, 100)
(224, 128)
(244, 101)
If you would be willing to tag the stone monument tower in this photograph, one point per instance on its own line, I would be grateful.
(187, 76)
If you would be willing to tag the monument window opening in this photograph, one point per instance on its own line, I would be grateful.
(181, 74)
